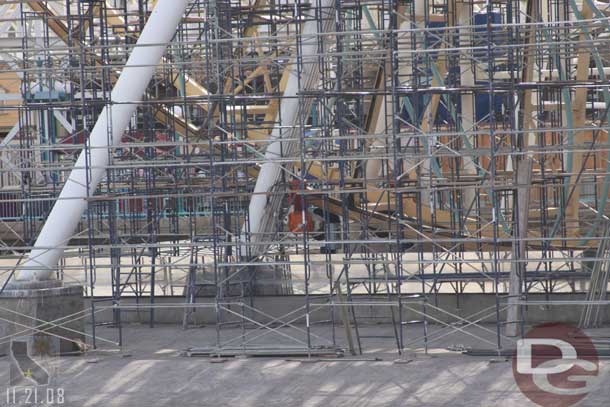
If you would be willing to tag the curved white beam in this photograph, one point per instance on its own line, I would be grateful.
(262, 204)
(92, 162)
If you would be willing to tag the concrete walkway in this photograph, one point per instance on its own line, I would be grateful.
(151, 371)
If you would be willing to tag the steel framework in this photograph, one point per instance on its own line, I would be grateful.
(427, 146)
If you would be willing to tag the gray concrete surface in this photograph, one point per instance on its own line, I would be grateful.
(26, 306)
(467, 305)
(150, 371)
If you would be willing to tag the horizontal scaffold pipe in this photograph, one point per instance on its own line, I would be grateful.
(92, 162)
(284, 139)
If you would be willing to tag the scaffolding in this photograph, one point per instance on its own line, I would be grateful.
(407, 150)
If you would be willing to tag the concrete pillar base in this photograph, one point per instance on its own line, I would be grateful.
(25, 305)
(254, 280)
(271, 280)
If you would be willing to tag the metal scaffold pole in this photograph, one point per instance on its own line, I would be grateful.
(92, 162)
(369, 161)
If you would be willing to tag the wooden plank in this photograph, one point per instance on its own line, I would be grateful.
(9, 83)
(579, 113)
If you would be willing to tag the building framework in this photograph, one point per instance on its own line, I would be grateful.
(356, 153)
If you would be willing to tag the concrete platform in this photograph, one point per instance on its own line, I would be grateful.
(465, 306)
(151, 371)
(42, 305)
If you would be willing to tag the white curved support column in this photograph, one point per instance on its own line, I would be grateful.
(92, 162)
(261, 208)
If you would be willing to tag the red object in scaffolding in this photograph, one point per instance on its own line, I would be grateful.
(299, 218)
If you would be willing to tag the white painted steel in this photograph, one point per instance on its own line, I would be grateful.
(271, 170)
(91, 164)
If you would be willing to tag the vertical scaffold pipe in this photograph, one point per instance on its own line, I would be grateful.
(92, 162)
(261, 207)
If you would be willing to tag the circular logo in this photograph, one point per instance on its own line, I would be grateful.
(556, 365)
